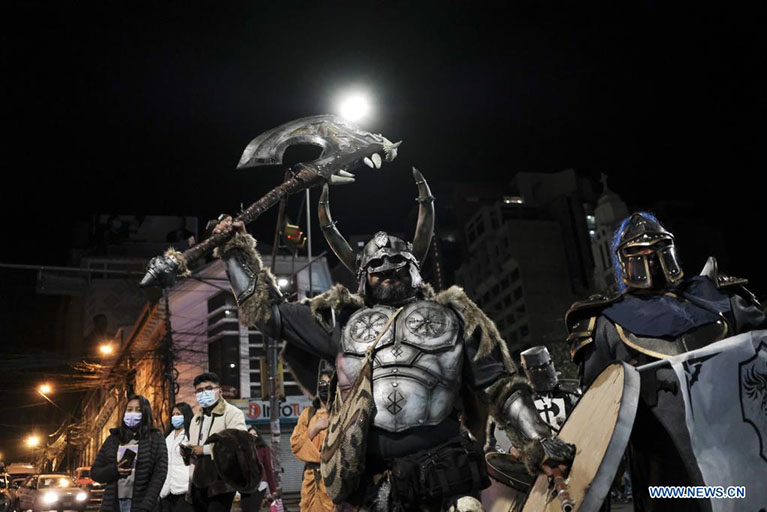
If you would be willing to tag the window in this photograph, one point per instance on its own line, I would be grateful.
(518, 293)
(224, 361)
(223, 327)
(515, 275)
(220, 300)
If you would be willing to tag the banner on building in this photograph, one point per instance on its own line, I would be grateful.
(260, 410)
(724, 387)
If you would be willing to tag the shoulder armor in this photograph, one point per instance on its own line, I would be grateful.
(581, 321)
(587, 308)
(735, 284)
(581, 334)
(571, 386)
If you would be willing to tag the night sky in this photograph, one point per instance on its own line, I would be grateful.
(145, 108)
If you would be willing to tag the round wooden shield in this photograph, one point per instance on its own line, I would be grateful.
(599, 426)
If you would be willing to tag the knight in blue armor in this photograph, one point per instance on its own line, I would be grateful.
(659, 312)
(439, 366)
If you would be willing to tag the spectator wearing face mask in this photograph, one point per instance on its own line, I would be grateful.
(306, 444)
(177, 482)
(209, 491)
(132, 462)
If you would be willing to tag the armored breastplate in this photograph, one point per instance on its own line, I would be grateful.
(665, 348)
(416, 364)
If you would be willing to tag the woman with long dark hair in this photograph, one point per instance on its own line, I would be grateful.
(132, 462)
(177, 482)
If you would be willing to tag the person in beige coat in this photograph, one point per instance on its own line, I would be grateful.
(209, 492)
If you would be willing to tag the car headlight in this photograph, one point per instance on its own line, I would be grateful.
(50, 497)
(81, 496)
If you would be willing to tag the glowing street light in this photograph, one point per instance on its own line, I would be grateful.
(354, 106)
(32, 441)
(45, 389)
(106, 349)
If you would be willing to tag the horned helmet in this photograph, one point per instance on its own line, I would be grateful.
(640, 244)
(383, 252)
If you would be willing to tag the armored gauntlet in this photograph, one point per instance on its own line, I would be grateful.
(253, 285)
(519, 417)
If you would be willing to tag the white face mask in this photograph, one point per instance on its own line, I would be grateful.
(207, 398)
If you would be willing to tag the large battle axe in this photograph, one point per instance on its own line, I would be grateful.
(344, 148)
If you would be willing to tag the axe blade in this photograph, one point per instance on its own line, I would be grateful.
(340, 141)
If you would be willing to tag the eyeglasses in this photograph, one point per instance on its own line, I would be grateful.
(206, 388)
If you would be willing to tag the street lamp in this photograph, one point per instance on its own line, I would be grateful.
(32, 441)
(45, 389)
(106, 349)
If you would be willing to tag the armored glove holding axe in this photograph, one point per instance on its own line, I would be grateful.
(411, 365)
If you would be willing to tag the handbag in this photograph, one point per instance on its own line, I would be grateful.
(342, 460)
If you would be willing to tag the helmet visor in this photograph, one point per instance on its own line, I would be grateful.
(670, 263)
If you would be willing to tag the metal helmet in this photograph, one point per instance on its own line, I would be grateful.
(383, 252)
(640, 243)
(539, 369)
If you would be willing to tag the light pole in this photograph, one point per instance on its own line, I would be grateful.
(44, 390)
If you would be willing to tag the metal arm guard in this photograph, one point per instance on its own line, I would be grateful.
(253, 286)
(519, 417)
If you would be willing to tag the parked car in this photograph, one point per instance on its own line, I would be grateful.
(51, 491)
(20, 469)
(7, 493)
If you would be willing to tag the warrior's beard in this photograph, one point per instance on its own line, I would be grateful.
(391, 292)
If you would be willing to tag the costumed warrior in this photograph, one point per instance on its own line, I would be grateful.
(657, 314)
(553, 398)
(436, 358)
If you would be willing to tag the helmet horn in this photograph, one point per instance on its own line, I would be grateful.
(335, 239)
(425, 227)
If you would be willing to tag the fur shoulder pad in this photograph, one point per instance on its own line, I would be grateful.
(326, 305)
(474, 318)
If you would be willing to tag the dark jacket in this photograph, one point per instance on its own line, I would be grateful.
(151, 469)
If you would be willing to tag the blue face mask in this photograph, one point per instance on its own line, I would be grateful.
(132, 419)
(177, 421)
(206, 398)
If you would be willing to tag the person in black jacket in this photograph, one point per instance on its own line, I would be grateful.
(132, 462)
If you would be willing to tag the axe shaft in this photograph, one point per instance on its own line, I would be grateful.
(562, 491)
(304, 178)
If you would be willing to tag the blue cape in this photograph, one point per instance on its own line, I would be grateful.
(664, 315)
